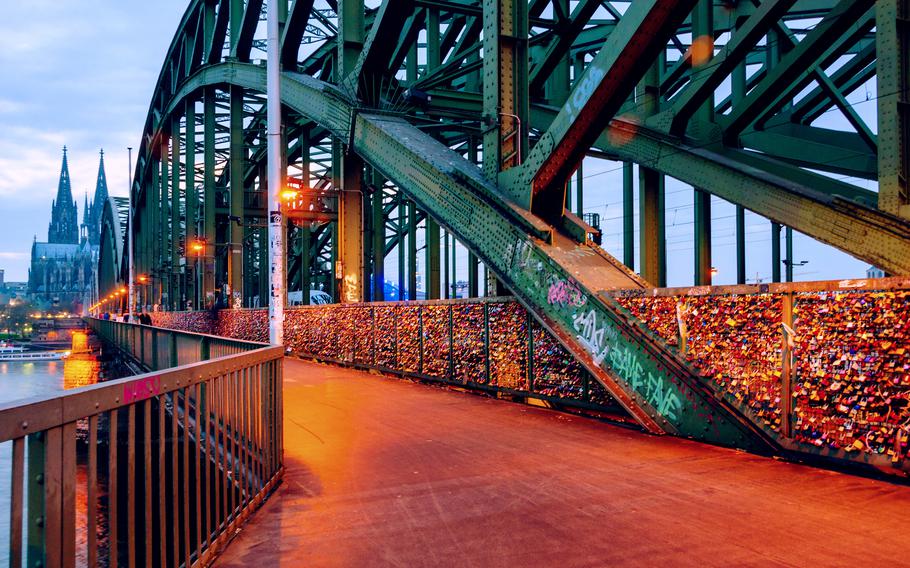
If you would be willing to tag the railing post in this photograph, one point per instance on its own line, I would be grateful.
(173, 350)
(420, 340)
(786, 375)
(451, 313)
(204, 349)
(35, 551)
(154, 359)
(486, 341)
(530, 322)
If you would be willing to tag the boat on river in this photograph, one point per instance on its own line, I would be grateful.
(23, 355)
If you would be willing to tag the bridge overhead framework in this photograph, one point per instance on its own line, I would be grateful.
(458, 124)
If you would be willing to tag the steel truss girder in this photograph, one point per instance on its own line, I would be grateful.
(654, 384)
(606, 84)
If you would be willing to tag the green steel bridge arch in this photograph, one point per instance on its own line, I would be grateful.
(474, 115)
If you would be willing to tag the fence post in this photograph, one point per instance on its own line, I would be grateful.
(486, 342)
(451, 314)
(173, 350)
(529, 323)
(420, 339)
(154, 349)
(786, 374)
(35, 551)
(204, 350)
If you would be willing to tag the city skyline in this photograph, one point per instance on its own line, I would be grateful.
(84, 73)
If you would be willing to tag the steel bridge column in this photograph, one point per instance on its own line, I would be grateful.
(892, 41)
(402, 216)
(412, 250)
(788, 243)
(379, 237)
(738, 88)
(628, 215)
(192, 199)
(349, 168)
(740, 245)
(505, 89)
(775, 252)
(431, 268)
(350, 204)
(304, 232)
(446, 279)
(235, 266)
(208, 279)
(174, 292)
(652, 239)
(702, 237)
(702, 27)
(153, 244)
(558, 85)
(164, 267)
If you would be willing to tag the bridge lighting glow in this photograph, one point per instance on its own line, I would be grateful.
(287, 195)
(195, 246)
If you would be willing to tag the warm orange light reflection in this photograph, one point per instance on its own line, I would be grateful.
(701, 51)
(288, 195)
(622, 131)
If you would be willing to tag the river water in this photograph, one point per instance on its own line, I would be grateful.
(23, 380)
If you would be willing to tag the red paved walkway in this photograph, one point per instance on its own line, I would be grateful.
(383, 472)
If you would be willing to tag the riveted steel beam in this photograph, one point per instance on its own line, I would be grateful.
(606, 84)
(893, 40)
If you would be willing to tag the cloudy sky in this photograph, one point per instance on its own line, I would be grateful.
(79, 73)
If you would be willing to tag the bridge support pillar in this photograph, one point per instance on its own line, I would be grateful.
(349, 285)
(235, 266)
(892, 35)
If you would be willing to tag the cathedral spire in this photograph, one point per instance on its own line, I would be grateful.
(64, 227)
(92, 217)
(100, 185)
(64, 189)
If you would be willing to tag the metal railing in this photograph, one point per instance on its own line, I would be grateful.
(153, 470)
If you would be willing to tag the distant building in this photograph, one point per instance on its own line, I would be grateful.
(63, 272)
(873, 272)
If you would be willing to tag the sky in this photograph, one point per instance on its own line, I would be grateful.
(78, 73)
(81, 73)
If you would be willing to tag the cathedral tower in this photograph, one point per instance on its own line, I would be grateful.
(64, 227)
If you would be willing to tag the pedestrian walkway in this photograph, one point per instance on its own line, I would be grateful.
(385, 472)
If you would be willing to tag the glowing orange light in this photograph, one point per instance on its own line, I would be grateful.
(143, 278)
(287, 195)
(702, 50)
(197, 246)
(123, 290)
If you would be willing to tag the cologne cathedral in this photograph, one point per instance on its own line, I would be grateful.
(63, 273)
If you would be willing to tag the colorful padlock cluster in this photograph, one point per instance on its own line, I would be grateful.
(850, 385)
(474, 344)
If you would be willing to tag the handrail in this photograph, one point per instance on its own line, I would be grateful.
(183, 455)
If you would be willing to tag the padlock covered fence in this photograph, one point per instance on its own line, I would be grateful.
(491, 344)
(836, 384)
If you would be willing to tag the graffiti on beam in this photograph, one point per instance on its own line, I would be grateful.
(351, 288)
(566, 293)
(602, 341)
(141, 389)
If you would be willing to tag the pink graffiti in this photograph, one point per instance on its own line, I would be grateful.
(566, 293)
(141, 389)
